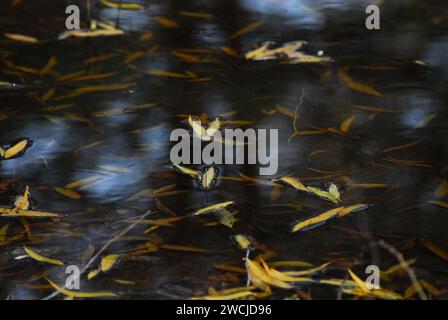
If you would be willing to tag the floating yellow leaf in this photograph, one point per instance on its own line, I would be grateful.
(293, 182)
(192, 173)
(209, 176)
(244, 242)
(41, 258)
(94, 76)
(105, 30)
(16, 149)
(196, 14)
(282, 276)
(247, 29)
(20, 38)
(213, 207)
(121, 5)
(133, 56)
(435, 248)
(351, 184)
(288, 52)
(309, 271)
(77, 294)
(360, 87)
(345, 126)
(22, 202)
(100, 88)
(93, 273)
(322, 218)
(257, 272)
(290, 264)
(27, 213)
(376, 110)
(332, 194)
(439, 203)
(49, 66)
(227, 218)
(169, 74)
(363, 291)
(396, 269)
(108, 262)
(360, 283)
(230, 52)
(21, 206)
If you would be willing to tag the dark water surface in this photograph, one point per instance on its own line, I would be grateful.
(128, 152)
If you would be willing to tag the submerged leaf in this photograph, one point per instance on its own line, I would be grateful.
(357, 86)
(167, 23)
(68, 193)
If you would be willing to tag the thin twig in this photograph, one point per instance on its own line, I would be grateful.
(108, 243)
(415, 283)
(296, 115)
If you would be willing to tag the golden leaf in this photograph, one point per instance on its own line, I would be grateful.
(345, 126)
(108, 262)
(77, 294)
(247, 29)
(20, 38)
(16, 149)
(435, 248)
(121, 5)
(212, 208)
(41, 258)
